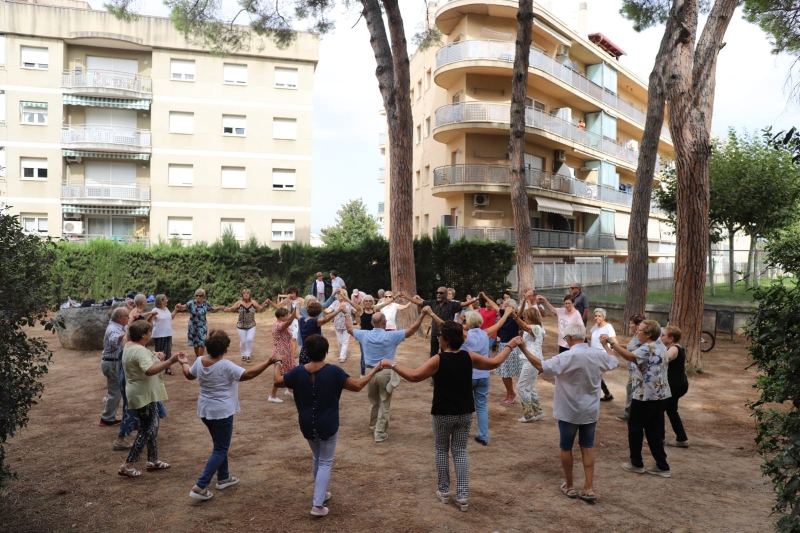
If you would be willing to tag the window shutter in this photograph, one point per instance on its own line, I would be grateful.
(283, 179)
(286, 78)
(234, 125)
(233, 177)
(181, 227)
(234, 74)
(181, 175)
(181, 122)
(284, 128)
(34, 57)
(283, 230)
(236, 224)
(182, 69)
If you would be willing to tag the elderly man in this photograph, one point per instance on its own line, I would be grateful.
(576, 401)
(581, 301)
(319, 287)
(336, 282)
(441, 307)
(112, 340)
(379, 344)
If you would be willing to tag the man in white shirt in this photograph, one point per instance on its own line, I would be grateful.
(337, 282)
(576, 401)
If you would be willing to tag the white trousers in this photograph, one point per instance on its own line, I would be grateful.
(344, 339)
(246, 338)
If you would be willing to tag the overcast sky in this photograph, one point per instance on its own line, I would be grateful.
(751, 93)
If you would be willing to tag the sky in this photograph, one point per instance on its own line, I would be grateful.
(751, 92)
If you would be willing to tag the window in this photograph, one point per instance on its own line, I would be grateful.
(34, 57)
(2, 49)
(536, 104)
(427, 126)
(411, 95)
(34, 223)
(283, 179)
(419, 89)
(180, 227)
(607, 221)
(235, 74)
(180, 122)
(416, 225)
(233, 178)
(181, 69)
(33, 113)
(233, 225)
(425, 222)
(2, 162)
(417, 182)
(181, 175)
(419, 133)
(427, 175)
(283, 230)
(285, 78)
(234, 125)
(34, 169)
(427, 79)
(284, 128)
(2, 106)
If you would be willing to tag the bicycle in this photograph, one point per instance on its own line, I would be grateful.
(707, 341)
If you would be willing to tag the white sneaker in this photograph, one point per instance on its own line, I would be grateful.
(274, 400)
(531, 419)
(342, 359)
(288, 393)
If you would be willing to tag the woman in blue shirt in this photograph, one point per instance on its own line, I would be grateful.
(317, 388)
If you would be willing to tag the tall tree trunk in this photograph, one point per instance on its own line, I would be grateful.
(638, 256)
(516, 147)
(394, 82)
(731, 257)
(750, 275)
(712, 281)
(690, 96)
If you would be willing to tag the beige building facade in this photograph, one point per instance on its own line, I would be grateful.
(585, 116)
(124, 130)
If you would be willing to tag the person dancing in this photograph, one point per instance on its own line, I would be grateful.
(198, 324)
(282, 348)
(161, 318)
(533, 336)
(246, 323)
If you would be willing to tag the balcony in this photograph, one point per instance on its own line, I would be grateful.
(504, 51)
(380, 208)
(381, 175)
(107, 193)
(540, 238)
(106, 83)
(105, 137)
(501, 113)
(122, 239)
(381, 140)
(470, 175)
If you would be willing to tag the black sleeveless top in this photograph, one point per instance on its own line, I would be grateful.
(366, 321)
(676, 374)
(452, 385)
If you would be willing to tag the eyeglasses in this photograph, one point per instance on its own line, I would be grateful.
(438, 292)
(564, 338)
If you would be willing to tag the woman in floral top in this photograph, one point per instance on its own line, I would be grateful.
(198, 325)
(282, 348)
(650, 390)
(339, 324)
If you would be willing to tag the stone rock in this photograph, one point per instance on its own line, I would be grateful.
(84, 327)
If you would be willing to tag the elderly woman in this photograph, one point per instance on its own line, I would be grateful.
(217, 403)
(650, 392)
(138, 312)
(343, 309)
(282, 348)
(310, 324)
(144, 386)
(317, 389)
(291, 303)
(161, 318)
(601, 327)
(453, 403)
(678, 383)
(565, 316)
(198, 324)
(246, 323)
(364, 311)
(389, 308)
(632, 345)
(513, 365)
(533, 336)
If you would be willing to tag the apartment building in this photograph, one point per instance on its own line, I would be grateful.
(585, 115)
(125, 130)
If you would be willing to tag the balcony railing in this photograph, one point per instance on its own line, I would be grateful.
(107, 79)
(493, 112)
(504, 51)
(123, 239)
(501, 175)
(381, 175)
(540, 238)
(103, 134)
(381, 208)
(382, 139)
(108, 190)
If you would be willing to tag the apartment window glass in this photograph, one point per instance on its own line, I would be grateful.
(417, 180)
(182, 69)
(411, 94)
(284, 128)
(283, 179)
(427, 174)
(2, 49)
(33, 113)
(419, 133)
(34, 223)
(285, 78)
(180, 122)
(427, 126)
(2, 106)
(180, 227)
(33, 57)
(235, 74)
(233, 178)
(234, 125)
(232, 225)
(181, 175)
(428, 79)
(607, 218)
(419, 89)
(34, 169)
(283, 230)
(2, 161)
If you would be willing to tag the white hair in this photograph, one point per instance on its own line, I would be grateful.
(575, 331)
(601, 311)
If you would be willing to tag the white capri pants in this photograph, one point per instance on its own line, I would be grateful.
(246, 339)
(344, 339)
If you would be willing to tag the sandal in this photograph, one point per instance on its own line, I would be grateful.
(169, 372)
(128, 472)
(205, 494)
(568, 492)
(463, 505)
(445, 498)
(588, 496)
(158, 465)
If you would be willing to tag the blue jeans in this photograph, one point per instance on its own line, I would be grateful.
(480, 390)
(322, 452)
(567, 433)
(221, 431)
(130, 418)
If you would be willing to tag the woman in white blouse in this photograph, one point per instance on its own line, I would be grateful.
(389, 308)
(601, 327)
(161, 318)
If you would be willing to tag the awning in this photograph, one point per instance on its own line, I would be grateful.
(34, 104)
(554, 206)
(105, 210)
(104, 155)
(95, 101)
(586, 209)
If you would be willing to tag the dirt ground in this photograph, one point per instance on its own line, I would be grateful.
(68, 480)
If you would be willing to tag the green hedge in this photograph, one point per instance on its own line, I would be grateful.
(102, 268)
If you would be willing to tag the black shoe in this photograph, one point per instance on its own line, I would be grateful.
(607, 398)
(104, 424)
(481, 441)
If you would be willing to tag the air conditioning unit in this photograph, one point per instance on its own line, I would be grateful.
(72, 216)
(73, 227)
(562, 50)
(481, 200)
(560, 155)
(73, 159)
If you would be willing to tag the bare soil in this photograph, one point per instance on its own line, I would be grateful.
(68, 473)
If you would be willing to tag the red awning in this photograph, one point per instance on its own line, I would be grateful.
(605, 43)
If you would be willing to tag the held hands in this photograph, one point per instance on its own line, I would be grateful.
(604, 339)
(385, 364)
(161, 356)
(182, 358)
(427, 310)
(516, 341)
(274, 361)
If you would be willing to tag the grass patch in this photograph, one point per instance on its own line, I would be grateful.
(723, 294)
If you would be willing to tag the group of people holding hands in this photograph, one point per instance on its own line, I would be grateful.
(462, 335)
